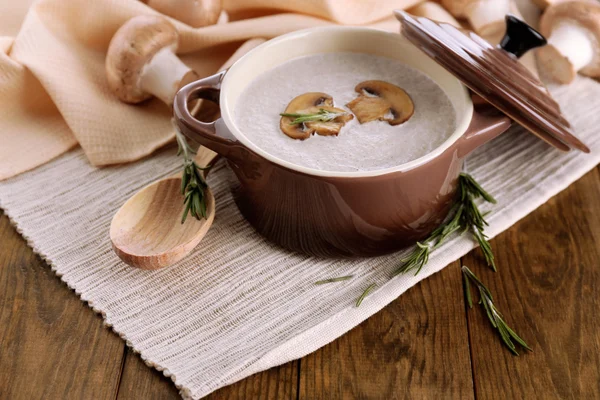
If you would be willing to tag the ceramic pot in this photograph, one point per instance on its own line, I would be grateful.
(337, 214)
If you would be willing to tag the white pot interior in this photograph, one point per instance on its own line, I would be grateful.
(340, 39)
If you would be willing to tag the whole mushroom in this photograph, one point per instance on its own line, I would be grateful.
(573, 32)
(195, 13)
(485, 16)
(141, 61)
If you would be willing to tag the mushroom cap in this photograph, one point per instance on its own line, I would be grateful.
(457, 7)
(307, 100)
(580, 12)
(380, 100)
(195, 13)
(131, 48)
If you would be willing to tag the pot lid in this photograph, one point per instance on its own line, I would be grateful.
(495, 74)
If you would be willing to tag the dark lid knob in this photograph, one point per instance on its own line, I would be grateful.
(520, 37)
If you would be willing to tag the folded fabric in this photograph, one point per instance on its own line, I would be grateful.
(53, 91)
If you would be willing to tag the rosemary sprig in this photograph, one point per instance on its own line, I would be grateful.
(495, 317)
(417, 259)
(193, 185)
(331, 280)
(321, 116)
(475, 188)
(465, 216)
(420, 255)
(365, 294)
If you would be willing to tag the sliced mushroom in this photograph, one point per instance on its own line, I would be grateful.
(379, 100)
(313, 103)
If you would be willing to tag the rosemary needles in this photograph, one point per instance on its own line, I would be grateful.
(193, 185)
(345, 278)
(465, 217)
(365, 294)
(470, 190)
(321, 116)
(487, 301)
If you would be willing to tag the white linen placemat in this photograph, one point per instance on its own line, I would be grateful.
(240, 305)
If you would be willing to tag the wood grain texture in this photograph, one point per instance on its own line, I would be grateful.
(52, 346)
(415, 348)
(142, 382)
(139, 381)
(278, 383)
(547, 286)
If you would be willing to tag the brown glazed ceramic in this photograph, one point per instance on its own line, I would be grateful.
(338, 214)
(495, 75)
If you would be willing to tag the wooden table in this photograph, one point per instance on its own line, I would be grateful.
(424, 345)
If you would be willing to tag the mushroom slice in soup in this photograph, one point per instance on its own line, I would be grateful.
(312, 113)
(379, 100)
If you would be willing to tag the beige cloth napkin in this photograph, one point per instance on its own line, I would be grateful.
(53, 92)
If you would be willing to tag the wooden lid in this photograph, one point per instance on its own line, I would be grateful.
(495, 74)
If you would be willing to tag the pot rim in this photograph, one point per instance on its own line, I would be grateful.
(462, 124)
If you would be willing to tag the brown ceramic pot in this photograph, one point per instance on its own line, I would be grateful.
(337, 213)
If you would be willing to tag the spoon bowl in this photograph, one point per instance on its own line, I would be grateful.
(147, 232)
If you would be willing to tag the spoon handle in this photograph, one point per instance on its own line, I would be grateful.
(204, 158)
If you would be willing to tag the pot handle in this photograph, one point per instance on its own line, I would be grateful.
(486, 124)
(212, 135)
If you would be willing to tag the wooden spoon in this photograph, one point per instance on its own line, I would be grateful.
(147, 231)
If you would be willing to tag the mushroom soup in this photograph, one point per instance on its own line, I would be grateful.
(379, 142)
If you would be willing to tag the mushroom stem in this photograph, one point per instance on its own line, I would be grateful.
(574, 43)
(164, 74)
(487, 16)
(223, 18)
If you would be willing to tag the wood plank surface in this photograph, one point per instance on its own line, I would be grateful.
(139, 381)
(279, 383)
(52, 346)
(548, 287)
(142, 382)
(415, 348)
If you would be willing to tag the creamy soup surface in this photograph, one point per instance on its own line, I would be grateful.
(371, 146)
